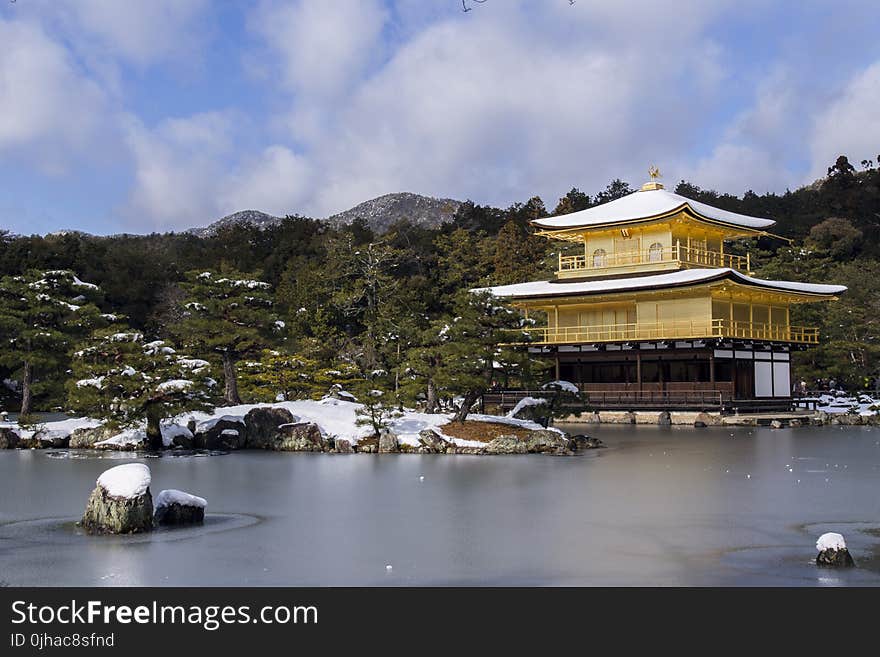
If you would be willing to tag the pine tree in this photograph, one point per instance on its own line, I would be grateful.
(469, 351)
(119, 377)
(41, 313)
(230, 315)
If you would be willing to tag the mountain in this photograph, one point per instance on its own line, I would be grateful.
(379, 213)
(254, 217)
(382, 212)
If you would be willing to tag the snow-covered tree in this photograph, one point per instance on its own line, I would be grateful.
(468, 353)
(230, 315)
(295, 376)
(41, 314)
(119, 377)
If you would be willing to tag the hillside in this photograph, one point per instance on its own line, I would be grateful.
(382, 212)
(379, 213)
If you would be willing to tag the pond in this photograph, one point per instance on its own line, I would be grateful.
(660, 506)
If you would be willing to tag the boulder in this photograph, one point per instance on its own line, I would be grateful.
(776, 424)
(847, 419)
(544, 440)
(833, 551)
(176, 436)
(299, 437)
(227, 432)
(262, 426)
(52, 438)
(664, 419)
(593, 418)
(86, 437)
(586, 442)
(121, 502)
(343, 446)
(175, 507)
(388, 442)
(706, 420)
(506, 444)
(795, 423)
(431, 442)
(9, 439)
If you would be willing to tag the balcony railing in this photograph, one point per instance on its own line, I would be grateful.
(677, 330)
(678, 253)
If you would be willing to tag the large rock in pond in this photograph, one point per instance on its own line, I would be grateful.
(262, 426)
(52, 438)
(833, 552)
(506, 444)
(223, 433)
(432, 443)
(121, 502)
(9, 439)
(582, 441)
(86, 437)
(299, 437)
(343, 446)
(388, 442)
(546, 440)
(175, 507)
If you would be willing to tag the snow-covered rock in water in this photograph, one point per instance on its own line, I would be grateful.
(177, 436)
(86, 437)
(833, 551)
(262, 426)
(121, 502)
(299, 437)
(175, 507)
(9, 439)
(127, 440)
(388, 442)
(52, 437)
(536, 442)
(225, 432)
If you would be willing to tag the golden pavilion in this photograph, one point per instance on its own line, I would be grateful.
(654, 311)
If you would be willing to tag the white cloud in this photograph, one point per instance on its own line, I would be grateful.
(496, 111)
(850, 125)
(188, 172)
(178, 168)
(322, 45)
(138, 32)
(276, 182)
(50, 112)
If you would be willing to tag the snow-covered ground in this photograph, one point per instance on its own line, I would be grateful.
(335, 417)
(842, 402)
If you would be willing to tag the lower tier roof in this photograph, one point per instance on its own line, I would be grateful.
(685, 277)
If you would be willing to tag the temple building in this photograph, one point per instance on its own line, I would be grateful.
(654, 311)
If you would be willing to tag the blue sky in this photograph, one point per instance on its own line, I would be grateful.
(155, 115)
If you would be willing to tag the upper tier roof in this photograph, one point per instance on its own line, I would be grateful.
(645, 205)
(673, 279)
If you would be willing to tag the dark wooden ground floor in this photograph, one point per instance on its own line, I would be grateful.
(678, 374)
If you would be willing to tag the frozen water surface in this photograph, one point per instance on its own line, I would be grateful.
(660, 506)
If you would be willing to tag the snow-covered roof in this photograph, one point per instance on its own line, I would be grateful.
(672, 279)
(645, 205)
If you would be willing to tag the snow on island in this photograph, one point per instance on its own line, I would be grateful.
(172, 496)
(128, 481)
(830, 541)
